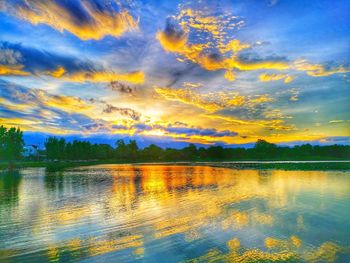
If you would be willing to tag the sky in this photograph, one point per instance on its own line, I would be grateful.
(177, 72)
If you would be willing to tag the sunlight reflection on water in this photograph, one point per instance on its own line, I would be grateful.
(174, 213)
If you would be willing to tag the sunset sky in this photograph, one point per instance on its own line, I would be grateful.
(205, 72)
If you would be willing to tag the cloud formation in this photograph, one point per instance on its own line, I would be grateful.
(318, 70)
(175, 38)
(17, 60)
(180, 130)
(16, 70)
(188, 131)
(273, 77)
(35, 109)
(122, 111)
(83, 66)
(121, 87)
(210, 102)
(18, 97)
(190, 97)
(219, 53)
(84, 19)
(232, 107)
(136, 77)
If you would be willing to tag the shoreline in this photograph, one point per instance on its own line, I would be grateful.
(249, 164)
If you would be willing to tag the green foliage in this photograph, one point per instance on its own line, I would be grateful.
(11, 143)
(58, 149)
(263, 148)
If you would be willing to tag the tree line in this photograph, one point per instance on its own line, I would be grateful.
(59, 149)
(12, 143)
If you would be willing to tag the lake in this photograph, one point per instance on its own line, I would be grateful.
(168, 213)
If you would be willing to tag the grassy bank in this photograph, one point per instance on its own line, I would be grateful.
(306, 166)
(316, 165)
(54, 165)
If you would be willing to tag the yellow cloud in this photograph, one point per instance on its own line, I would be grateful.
(197, 21)
(66, 103)
(16, 121)
(262, 99)
(12, 70)
(288, 79)
(188, 97)
(272, 77)
(99, 25)
(226, 58)
(172, 43)
(237, 100)
(318, 70)
(58, 72)
(136, 77)
(15, 106)
(212, 102)
(274, 124)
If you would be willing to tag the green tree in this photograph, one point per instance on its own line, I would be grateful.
(190, 152)
(132, 153)
(120, 150)
(152, 153)
(264, 149)
(3, 132)
(11, 143)
(51, 146)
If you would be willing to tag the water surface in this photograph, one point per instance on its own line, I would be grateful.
(126, 213)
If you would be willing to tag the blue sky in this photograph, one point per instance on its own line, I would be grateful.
(205, 72)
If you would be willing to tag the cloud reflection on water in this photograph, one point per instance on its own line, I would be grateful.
(175, 213)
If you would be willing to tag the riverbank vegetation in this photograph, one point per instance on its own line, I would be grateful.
(59, 149)
(59, 154)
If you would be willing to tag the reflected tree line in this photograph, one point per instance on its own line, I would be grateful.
(59, 149)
